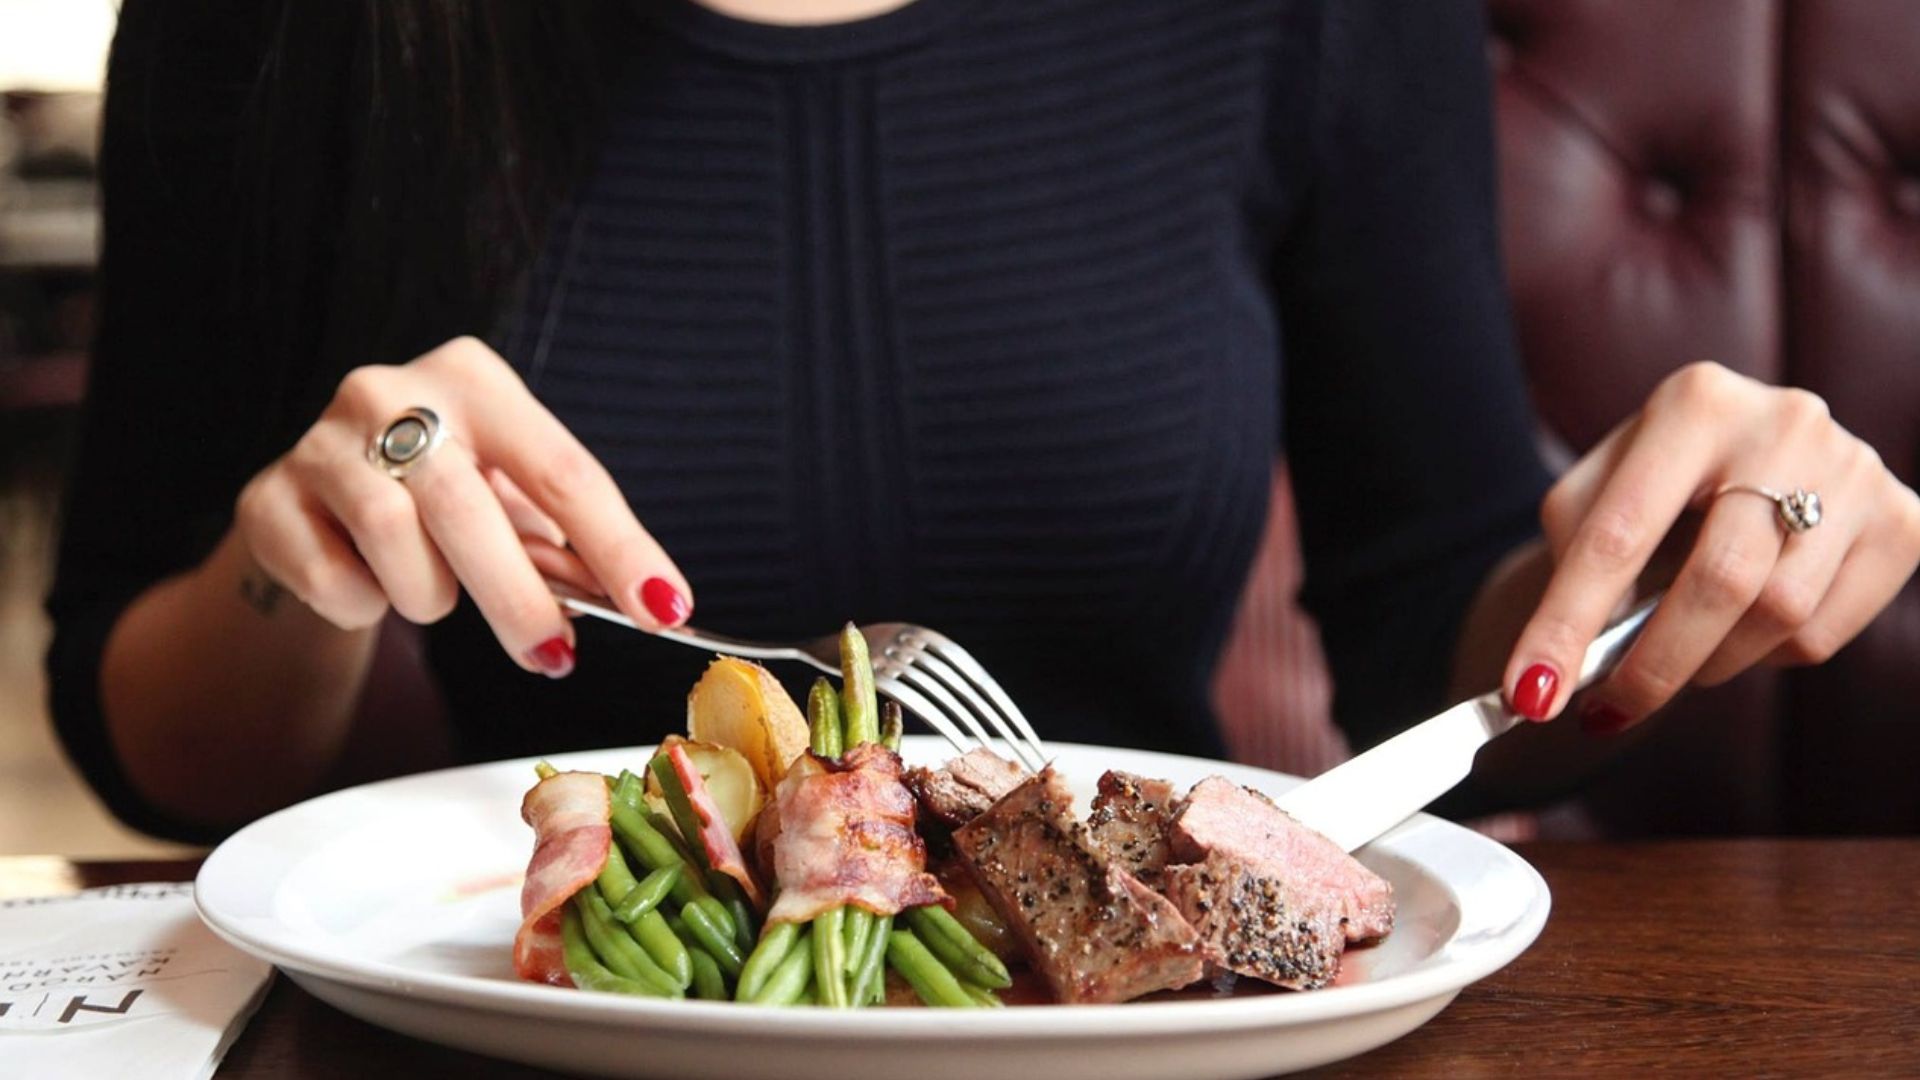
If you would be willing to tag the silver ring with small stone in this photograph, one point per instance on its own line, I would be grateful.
(1799, 509)
(406, 442)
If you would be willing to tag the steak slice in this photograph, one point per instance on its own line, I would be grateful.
(1093, 931)
(1129, 822)
(1222, 818)
(962, 789)
(1257, 925)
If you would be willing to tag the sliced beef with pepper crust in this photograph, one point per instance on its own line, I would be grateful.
(960, 790)
(1256, 925)
(1092, 930)
(1270, 897)
(1129, 821)
(1221, 817)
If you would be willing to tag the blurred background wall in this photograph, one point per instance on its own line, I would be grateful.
(52, 57)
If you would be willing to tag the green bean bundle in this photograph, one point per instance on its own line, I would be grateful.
(663, 933)
(660, 920)
(841, 957)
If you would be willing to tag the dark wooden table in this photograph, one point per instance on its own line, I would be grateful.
(1710, 958)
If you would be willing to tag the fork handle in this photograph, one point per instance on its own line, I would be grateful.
(687, 635)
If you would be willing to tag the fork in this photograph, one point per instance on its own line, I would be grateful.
(922, 669)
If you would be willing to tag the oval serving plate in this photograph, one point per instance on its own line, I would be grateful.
(397, 902)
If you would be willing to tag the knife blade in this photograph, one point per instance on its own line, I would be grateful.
(1371, 793)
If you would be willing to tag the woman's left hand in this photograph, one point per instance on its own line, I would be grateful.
(1749, 591)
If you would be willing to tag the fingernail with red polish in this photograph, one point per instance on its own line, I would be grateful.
(554, 657)
(1533, 694)
(664, 601)
(1599, 718)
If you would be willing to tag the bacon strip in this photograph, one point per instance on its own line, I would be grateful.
(716, 839)
(846, 837)
(569, 813)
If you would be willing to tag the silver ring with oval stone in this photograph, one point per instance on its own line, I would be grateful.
(1799, 509)
(406, 442)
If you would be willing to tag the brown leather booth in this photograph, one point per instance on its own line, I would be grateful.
(1736, 180)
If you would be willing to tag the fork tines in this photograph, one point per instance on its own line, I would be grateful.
(945, 686)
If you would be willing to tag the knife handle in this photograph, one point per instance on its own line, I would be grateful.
(1612, 644)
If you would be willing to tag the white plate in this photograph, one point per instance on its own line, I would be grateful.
(397, 902)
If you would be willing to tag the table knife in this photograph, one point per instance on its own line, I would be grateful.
(1358, 800)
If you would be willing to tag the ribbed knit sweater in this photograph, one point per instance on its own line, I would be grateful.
(996, 316)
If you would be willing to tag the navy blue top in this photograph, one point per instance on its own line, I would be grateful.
(993, 316)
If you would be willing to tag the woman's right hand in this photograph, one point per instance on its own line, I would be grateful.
(508, 501)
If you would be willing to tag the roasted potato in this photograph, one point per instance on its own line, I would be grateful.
(740, 705)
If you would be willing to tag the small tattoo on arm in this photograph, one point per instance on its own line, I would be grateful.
(262, 593)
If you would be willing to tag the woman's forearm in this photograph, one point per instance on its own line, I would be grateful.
(225, 696)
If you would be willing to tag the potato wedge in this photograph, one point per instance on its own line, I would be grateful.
(730, 779)
(740, 705)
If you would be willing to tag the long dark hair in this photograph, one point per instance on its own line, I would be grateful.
(406, 156)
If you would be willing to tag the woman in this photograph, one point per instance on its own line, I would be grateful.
(990, 316)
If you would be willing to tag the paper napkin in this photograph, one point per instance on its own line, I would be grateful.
(124, 981)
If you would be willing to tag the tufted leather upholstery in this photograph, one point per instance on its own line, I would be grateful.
(1852, 313)
(1728, 179)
